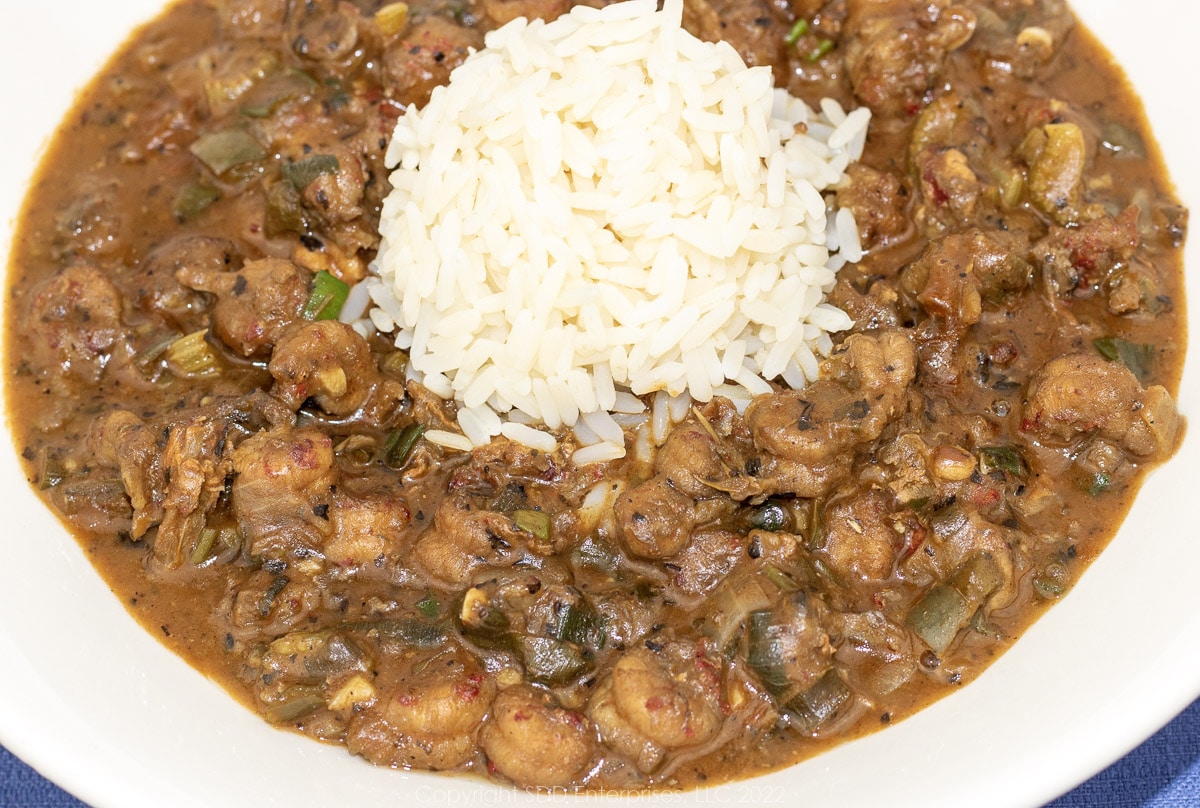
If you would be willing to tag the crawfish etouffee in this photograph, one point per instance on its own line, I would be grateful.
(752, 581)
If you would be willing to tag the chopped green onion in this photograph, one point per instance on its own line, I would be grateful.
(780, 578)
(917, 505)
(768, 651)
(428, 605)
(303, 703)
(208, 538)
(731, 608)
(764, 653)
(147, 358)
(1052, 583)
(1137, 357)
(536, 522)
(52, 472)
(799, 29)
(1003, 458)
(303, 172)
(400, 445)
(816, 527)
(221, 151)
(191, 357)
(268, 598)
(326, 298)
(823, 47)
(1095, 484)
(412, 631)
(194, 199)
(813, 707)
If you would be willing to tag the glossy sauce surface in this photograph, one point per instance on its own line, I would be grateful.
(319, 574)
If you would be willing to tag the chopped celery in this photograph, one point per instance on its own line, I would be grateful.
(395, 364)
(237, 76)
(1095, 484)
(536, 522)
(191, 357)
(1052, 582)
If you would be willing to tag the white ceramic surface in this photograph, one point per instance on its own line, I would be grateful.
(101, 708)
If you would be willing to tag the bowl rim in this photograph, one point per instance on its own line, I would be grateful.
(126, 728)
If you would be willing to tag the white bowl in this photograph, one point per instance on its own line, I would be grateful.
(98, 706)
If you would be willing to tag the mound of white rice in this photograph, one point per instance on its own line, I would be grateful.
(605, 206)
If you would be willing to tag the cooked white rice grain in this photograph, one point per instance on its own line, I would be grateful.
(450, 440)
(598, 453)
(603, 206)
(533, 438)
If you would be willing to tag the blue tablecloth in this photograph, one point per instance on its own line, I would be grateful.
(1164, 772)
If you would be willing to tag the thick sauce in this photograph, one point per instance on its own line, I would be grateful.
(772, 581)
